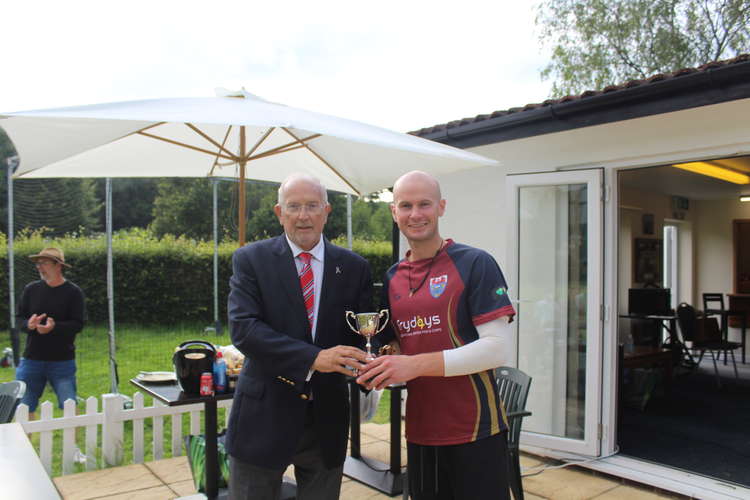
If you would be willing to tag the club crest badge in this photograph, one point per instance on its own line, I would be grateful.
(437, 285)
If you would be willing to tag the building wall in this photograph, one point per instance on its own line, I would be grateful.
(634, 203)
(714, 248)
(477, 214)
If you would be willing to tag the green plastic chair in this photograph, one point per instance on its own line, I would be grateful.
(513, 388)
(10, 397)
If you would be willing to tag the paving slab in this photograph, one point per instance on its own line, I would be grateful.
(183, 488)
(529, 461)
(568, 484)
(171, 470)
(353, 490)
(106, 482)
(631, 491)
(381, 450)
(531, 496)
(377, 431)
(157, 493)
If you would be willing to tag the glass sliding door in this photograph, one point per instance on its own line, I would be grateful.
(556, 267)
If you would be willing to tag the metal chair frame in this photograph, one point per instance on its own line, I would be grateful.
(513, 388)
(687, 317)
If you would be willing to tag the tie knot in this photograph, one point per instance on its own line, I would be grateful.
(305, 256)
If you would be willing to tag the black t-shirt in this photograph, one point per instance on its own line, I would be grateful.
(64, 304)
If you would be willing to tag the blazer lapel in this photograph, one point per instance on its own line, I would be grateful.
(331, 272)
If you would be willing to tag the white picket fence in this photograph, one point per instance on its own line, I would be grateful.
(111, 418)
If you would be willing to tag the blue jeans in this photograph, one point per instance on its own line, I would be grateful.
(60, 374)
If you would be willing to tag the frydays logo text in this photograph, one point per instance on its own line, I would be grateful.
(418, 322)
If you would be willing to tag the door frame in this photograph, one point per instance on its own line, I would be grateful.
(594, 179)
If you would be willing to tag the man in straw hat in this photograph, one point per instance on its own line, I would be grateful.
(51, 312)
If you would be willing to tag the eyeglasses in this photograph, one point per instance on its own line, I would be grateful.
(312, 208)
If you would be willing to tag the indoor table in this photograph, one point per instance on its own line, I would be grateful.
(669, 323)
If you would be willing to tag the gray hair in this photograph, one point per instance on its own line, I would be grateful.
(291, 178)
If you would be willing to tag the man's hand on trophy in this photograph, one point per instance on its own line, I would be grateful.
(342, 359)
(387, 370)
(390, 348)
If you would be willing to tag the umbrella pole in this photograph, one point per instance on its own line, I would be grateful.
(241, 195)
(349, 220)
(113, 379)
(217, 323)
(12, 163)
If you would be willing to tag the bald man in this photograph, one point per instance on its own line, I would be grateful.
(450, 315)
(287, 304)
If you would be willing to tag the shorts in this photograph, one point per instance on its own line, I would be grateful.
(35, 373)
(476, 470)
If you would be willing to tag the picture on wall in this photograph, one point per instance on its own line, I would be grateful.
(648, 264)
(648, 223)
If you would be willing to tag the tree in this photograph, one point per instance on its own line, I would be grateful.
(132, 202)
(596, 43)
(184, 207)
(264, 223)
(54, 206)
(6, 151)
(371, 220)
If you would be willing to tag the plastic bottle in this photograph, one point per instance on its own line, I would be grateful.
(220, 373)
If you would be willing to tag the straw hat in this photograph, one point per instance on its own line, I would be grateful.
(55, 254)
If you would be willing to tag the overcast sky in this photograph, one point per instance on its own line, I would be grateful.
(402, 65)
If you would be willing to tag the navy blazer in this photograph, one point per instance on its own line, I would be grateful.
(268, 324)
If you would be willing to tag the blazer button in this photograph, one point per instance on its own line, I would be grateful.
(304, 396)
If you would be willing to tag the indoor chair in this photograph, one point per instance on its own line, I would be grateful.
(705, 336)
(713, 305)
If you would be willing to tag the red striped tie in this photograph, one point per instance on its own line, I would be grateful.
(308, 286)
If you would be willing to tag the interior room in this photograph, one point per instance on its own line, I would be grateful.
(684, 391)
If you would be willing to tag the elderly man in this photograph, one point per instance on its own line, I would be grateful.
(450, 312)
(51, 311)
(287, 303)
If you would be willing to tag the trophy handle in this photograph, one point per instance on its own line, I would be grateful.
(383, 312)
(352, 315)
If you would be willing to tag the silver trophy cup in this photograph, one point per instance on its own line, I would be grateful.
(368, 325)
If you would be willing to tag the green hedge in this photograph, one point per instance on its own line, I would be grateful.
(156, 281)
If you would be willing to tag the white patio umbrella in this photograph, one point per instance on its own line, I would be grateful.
(235, 134)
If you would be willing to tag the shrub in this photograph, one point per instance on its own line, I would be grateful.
(164, 280)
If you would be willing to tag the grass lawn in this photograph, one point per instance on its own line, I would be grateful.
(138, 348)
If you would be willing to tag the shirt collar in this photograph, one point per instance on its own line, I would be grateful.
(317, 251)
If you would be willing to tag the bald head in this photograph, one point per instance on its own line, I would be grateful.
(417, 179)
(417, 206)
(297, 179)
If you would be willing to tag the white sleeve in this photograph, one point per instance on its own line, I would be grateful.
(490, 350)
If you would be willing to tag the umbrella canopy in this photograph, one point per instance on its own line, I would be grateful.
(235, 134)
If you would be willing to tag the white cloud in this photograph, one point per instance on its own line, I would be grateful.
(399, 64)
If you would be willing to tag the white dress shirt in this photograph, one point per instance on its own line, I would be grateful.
(318, 256)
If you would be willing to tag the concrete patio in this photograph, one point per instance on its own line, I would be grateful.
(170, 478)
